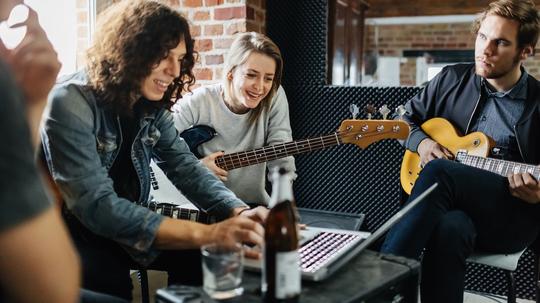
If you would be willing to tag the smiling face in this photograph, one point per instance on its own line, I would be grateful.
(251, 82)
(156, 84)
(497, 55)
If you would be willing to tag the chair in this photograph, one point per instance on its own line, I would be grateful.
(142, 276)
(506, 262)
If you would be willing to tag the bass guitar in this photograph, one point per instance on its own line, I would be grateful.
(358, 132)
(471, 150)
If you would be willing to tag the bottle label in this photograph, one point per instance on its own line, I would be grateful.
(288, 277)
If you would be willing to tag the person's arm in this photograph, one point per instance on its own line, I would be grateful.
(35, 65)
(38, 261)
(419, 109)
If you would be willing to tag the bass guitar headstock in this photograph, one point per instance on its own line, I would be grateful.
(364, 132)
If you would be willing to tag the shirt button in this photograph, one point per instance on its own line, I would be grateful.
(484, 118)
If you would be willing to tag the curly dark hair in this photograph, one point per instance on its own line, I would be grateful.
(132, 37)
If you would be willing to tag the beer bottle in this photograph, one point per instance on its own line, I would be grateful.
(281, 266)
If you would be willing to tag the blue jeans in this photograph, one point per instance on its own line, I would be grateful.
(471, 209)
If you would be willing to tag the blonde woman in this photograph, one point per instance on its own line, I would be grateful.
(247, 110)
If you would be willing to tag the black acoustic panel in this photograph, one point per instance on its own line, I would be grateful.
(299, 28)
(346, 178)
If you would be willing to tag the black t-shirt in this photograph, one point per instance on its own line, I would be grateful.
(21, 191)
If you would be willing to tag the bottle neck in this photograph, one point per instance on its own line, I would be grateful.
(281, 189)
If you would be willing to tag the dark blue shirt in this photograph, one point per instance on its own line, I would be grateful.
(497, 116)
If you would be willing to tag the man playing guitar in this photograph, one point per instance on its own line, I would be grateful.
(473, 209)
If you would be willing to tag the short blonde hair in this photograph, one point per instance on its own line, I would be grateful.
(522, 11)
(241, 48)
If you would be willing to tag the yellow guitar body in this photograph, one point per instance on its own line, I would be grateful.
(442, 131)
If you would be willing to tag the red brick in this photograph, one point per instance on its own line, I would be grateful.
(201, 16)
(195, 30)
(253, 27)
(174, 3)
(250, 13)
(192, 3)
(213, 59)
(222, 43)
(236, 28)
(213, 30)
(202, 73)
(213, 2)
(228, 13)
(203, 45)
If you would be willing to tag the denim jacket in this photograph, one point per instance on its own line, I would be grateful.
(81, 140)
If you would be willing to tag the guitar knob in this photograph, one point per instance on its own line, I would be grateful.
(380, 128)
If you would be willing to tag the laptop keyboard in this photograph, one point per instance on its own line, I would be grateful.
(315, 253)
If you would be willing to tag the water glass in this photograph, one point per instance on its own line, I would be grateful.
(222, 270)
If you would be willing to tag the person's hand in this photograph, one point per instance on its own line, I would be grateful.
(428, 150)
(258, 213)
(34, 61)
(210, 162)
(238, 229)
(525, 187)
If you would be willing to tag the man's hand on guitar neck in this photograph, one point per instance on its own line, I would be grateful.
(525, 187)
(428, 149)
(210, 162)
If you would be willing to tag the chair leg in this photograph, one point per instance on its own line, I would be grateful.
(511, 296)
(143, 280)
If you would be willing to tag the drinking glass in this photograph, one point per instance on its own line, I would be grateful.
(222, 270)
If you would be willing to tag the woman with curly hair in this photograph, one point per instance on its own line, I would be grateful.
(104, 125)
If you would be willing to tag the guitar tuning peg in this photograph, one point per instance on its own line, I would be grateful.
(354, 110)
(384, 110)
(400, 111)
(370, 110)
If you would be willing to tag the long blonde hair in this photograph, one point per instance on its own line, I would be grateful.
(241, 48)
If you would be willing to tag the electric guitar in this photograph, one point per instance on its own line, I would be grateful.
(176, 212)
(359, 132)
(470, 150)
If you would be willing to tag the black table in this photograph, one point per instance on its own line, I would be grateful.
(369, 277)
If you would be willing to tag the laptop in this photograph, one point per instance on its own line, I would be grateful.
(324, 250)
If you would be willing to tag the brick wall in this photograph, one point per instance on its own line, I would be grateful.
(392, 40)
(214, 22)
